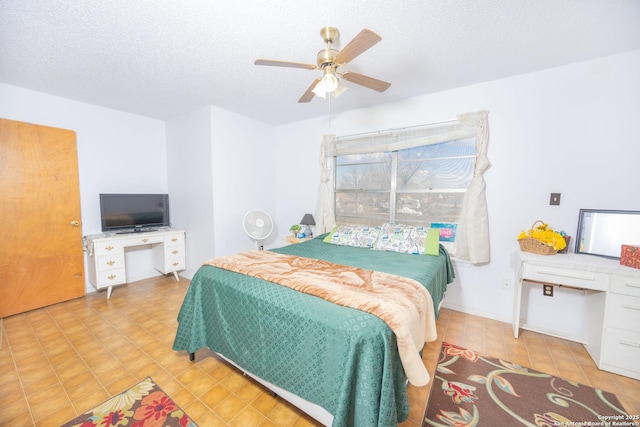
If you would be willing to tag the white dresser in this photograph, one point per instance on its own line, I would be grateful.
(612, 329)
(107, 260)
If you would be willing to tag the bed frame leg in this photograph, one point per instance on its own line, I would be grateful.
(192, 357)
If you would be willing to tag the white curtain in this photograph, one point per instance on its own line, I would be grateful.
(472, 240)
(472, 237)
(325, 217)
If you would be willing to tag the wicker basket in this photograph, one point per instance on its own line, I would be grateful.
(529, 244)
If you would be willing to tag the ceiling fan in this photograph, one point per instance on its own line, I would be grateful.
(330, 59)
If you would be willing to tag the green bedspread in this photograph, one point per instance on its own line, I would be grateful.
(342, 359)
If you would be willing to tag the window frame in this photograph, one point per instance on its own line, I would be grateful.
(393, 190)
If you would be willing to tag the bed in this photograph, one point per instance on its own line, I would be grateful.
(340, 365)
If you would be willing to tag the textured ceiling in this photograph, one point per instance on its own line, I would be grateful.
(161, 58)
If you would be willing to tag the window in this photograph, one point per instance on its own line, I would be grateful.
(363, 188)
(430, 174)
(424, 184)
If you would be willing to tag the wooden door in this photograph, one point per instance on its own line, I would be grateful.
(41, 256)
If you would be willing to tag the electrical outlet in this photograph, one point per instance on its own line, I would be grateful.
(554, 200)
(547, 290)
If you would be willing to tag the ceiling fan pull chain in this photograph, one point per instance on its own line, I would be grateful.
(329, 112)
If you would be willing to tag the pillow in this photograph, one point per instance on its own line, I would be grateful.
(329, 236)
(394, 238)
(432, 242)
(408, 239)
(362, 236)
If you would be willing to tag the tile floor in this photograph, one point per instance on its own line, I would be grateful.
(62, 360)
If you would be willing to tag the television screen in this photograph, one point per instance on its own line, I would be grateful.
(134, 212)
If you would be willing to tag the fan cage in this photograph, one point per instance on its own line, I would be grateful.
(258, 224)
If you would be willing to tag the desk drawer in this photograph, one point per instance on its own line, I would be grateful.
(107, 247)
(176, 239)
(142, 240)
(623, 312)
(174, 251)
(560, 276)
(110, 262)
(111, 278)
(622, 349)
(625, 285)
(174, 264)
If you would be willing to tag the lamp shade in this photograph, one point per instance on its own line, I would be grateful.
(328, 84)
(307, 219)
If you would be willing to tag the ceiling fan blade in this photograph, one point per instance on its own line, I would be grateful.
(285, 64)
(308, 95)
(363, 41)
(366, 81)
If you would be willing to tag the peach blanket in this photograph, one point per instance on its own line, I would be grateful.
(403, 303)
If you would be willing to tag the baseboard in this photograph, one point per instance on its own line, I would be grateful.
(551, 332)
(528, 327)
(480, 313)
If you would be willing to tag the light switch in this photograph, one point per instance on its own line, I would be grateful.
(555, 199)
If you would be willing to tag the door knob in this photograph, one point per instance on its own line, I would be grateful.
(75, 223)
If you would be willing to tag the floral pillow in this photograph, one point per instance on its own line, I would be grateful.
(394, 238)
(361, 236)
(408, 239)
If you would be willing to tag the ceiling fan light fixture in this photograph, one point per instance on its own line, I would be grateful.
(319, 92)
(341, 88)
(328, 83)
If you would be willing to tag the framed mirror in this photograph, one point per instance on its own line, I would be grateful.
(603, 232)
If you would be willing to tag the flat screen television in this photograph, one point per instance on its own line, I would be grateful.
(129, 213)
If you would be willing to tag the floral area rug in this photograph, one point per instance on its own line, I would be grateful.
(471, 389)
(143, 405)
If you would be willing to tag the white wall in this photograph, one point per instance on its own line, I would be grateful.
(298, 171)
(117, 152)
(189, 158)
(243, 178)
(221, 165)
(573, 130)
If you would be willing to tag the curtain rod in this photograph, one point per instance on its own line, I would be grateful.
(379, 132)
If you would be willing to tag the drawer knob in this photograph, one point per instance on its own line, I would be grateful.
(111, 276)
(111, 262)
(175, 264)
(175, 251)
(145, 240)
(174, 239)
(109, 248)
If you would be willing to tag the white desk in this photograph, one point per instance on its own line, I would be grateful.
(612, 330)
(107, 261)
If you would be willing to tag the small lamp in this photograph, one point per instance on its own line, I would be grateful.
(307, 220)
